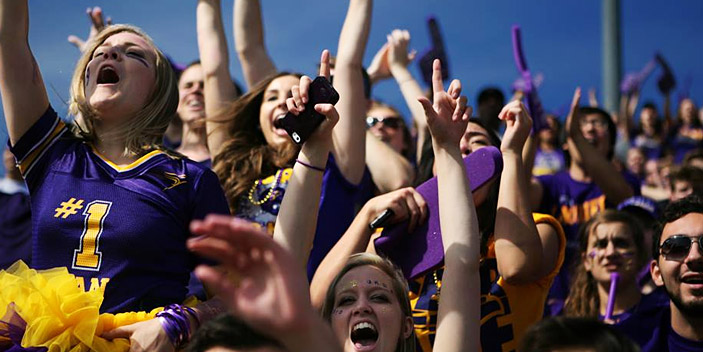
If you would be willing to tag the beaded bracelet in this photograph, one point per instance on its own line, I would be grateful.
(175, 322)
(309, 166)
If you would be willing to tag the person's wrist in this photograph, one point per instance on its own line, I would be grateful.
(399, 71)
(313, 153)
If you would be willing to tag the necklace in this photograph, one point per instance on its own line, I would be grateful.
(268, 195)
(437, 284)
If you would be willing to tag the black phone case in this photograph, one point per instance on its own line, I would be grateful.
(300, 127)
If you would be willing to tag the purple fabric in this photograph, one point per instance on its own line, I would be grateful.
(336, 212)
(15, 229)
(418, 252)
(141, 257)
(12, 326)
(651, 329)
(436, 51)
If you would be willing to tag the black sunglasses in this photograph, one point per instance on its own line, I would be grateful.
(677, 247)
(393, 122)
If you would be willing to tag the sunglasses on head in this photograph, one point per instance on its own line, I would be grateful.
(391, 121)
(677, 247)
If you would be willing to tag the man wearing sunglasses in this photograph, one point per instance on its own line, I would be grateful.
(678, 267)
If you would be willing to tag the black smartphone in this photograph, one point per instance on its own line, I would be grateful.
(300, 127)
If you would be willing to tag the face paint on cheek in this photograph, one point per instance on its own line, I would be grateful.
(338, 311)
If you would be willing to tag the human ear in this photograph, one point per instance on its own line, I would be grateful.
(408, 327)
(656, 273)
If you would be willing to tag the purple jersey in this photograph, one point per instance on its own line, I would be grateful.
(652, 330)
(118, 229)
(15, 223)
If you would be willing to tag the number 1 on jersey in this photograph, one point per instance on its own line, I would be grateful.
(88, 256)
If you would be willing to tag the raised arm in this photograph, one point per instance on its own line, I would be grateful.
(24, 97)
(297, 217)
(97, 24)
(458, 321)
(405, 203)
(214, 59)
(249, 42)
(603, 172)
(519, 248)
(349, 151)
(398, 61)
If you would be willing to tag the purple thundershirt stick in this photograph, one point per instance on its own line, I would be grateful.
(634, 81)
(666, 82)
(436, 51)
(534, 104)
(614, 278)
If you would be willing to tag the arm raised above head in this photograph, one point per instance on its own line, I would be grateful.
(249, 42)
(218, 88)
(23, 93)
(349, 149)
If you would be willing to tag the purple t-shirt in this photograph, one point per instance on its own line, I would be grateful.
(652, 331)
(572, 203)
(122, 230)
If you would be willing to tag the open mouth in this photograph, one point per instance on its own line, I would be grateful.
(364, 336)
(278, 126)
(108, 75)
(693, 280)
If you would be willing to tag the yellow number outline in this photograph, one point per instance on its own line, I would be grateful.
(88, 255)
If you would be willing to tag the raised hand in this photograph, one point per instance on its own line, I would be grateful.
(448, 116)
(398, 54)
(257, 279)
(97, 24)
(572, 124)
(296, 105)
(518, 125)
(378, 70)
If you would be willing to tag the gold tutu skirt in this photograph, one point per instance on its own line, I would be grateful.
(46, 310)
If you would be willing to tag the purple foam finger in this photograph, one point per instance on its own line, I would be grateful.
(533, 102)
(666, 81)
(436, 51)
(419, 252)
(614, 278)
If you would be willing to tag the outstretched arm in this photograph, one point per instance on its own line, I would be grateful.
(24, 97)
(97, 24)
(297, 217)
(389, 169)
(218, 87)
(349, 151)
(603, 172)
(249, 42)
(405, 203)
(398, 61)
(519, 248)
(458, 321)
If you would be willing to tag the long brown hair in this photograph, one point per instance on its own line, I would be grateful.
(583, 300)
(247, 156)
(146, 129)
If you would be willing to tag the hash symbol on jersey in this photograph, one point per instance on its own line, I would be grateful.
(68, 208)
(176, 179)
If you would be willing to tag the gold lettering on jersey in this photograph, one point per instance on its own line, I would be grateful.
(88, 255)
(580, 213)
(95, 283)
(69, 207)
(176, 179)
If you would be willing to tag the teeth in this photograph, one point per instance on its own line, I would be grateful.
(364, 326)
(280, 116)
(195, 103)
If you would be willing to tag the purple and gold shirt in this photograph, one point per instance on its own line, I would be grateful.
(121, 230)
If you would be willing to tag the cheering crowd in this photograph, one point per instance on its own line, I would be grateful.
(175, 210)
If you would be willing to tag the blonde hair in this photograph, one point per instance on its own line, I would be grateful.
(146, 128)
(400, 288)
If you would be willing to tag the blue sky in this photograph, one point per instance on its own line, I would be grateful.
(561, 38)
